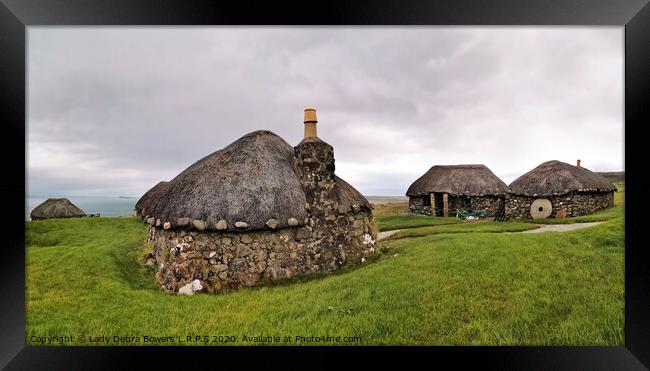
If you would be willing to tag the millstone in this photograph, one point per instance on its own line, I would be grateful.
(541, 208)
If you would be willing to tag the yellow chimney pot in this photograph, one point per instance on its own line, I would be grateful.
(310, 123)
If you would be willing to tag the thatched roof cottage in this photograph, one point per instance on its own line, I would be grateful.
(446, 190)
(54, 208)
(258, 210)
(556, 189)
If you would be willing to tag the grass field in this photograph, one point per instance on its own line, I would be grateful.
(483, 226)
(390, 222)
(86, 277)
(392, 208)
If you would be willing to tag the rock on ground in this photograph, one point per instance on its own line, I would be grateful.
(190, 288)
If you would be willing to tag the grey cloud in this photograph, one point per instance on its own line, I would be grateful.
(144, 103)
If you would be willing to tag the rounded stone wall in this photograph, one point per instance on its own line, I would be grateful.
(228, 261)
(567, 205)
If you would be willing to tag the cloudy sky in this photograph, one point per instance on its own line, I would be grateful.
(112, 111)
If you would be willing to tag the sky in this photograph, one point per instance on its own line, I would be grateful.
(113, 110)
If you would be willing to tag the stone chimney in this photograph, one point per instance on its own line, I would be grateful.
(314, 158)
(331, 225)
(314, 161)
(310, 123)
(578, 163)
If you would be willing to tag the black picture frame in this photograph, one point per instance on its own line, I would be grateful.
(16, 15)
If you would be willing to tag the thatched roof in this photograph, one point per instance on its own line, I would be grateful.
(56, 208)
(348, 196)
(145, 202)
(558, 178)
(252, 180)
(468, 180)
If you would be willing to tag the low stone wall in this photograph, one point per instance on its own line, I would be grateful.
(568, 205)
(227, 261)
(416, 206)
(488, 204)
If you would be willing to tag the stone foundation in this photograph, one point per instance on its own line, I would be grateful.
(227, 261)
(568, 205)
(417, 207)
(489, 204)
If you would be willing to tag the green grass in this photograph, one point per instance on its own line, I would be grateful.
(86, 277)
(390, 222)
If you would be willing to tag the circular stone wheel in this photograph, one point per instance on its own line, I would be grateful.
(541, 208)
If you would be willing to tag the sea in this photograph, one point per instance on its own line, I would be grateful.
(121, 206)
(104, 206)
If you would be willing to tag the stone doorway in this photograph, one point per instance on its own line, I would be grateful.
(439, 204)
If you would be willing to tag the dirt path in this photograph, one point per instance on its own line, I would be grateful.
(386, 234)
(543, 228)
(559, 227)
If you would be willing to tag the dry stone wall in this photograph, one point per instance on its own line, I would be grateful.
(489, 204)
(228, 261)
(567, 205)
(417, 207)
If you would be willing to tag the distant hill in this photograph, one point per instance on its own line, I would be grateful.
(613, 176)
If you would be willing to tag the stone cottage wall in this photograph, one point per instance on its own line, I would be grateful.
(416, 206)
(568, 205)
(228, 261)
(489, 204)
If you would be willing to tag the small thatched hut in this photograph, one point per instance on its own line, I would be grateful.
(54, 208)
(556, 189)
(255, 211)
(446, 190)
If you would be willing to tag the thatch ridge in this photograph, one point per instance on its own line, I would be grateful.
(251, 180)
(56, 208)
(554, 178)
(468, 180)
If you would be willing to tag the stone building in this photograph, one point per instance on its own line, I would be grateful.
(446, 190)
(556, 189)
(256, 211)
(54, 208)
